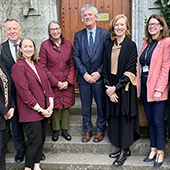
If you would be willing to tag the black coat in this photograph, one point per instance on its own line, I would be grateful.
(3, 109)
(127, 60)
(123, 120)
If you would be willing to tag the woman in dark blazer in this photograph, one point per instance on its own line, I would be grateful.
(34, 100)
(7, 106)
(119, 71)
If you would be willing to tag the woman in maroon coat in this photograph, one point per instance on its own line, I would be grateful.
(56, 58)
(34, 100)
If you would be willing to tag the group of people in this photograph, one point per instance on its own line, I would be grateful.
(36, 87)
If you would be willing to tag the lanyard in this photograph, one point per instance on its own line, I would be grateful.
(149, 49)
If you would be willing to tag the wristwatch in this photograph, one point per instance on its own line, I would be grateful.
(40, 112)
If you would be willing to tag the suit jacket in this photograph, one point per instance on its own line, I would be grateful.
(7, 59)
(30, 90)
(3, 109)
(81, 57)
(158, 71)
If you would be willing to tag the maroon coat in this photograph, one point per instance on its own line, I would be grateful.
(59, 66)
(30, 90)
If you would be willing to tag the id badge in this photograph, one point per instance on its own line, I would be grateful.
(145, 69)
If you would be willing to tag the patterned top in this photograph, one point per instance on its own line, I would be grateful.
(4, 80)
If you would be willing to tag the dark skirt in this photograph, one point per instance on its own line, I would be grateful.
(121, 131)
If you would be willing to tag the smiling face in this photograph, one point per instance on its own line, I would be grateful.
(12, 31)
(89, 19)
(55, 31)
(154, 28)
(120, 27)
(27, 49)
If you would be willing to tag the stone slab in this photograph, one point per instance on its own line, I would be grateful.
(87, 161)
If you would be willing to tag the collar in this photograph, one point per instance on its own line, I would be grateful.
(93, 31)
(11, 44)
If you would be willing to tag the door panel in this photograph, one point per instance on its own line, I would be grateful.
(71, 21)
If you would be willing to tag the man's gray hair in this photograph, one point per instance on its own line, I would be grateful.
(89, 6)
(12, 19)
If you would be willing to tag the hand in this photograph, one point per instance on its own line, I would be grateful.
(88, 78)
(50, 108)
(46, 113)
(157, 96)
(9, 114)
(95, 76)
(114, 98)
(62, 85)
(65, 85)
(59, 85)
(110, 90)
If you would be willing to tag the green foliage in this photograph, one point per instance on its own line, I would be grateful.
(165, 9)
(145, 20)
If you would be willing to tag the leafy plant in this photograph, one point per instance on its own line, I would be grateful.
(165, 9)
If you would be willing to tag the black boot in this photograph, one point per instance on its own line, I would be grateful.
(116, 154)
(55, 135)
(65, 134)
(122, 157)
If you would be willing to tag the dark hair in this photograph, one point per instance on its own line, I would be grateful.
(20, 55)
(163, 33)
(113, 22)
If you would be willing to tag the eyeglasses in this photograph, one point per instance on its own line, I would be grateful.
(153, 24)
(55, 29)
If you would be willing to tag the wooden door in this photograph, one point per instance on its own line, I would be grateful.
(71, 21)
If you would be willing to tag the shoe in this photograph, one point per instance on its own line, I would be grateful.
(151, 156)
(157, 163)
(99, 137)
(66, 135)
(19, 157)
(148, 159)
(55, 136)
(42, 157)
(116, 154)
(86, 137)
(121, 159)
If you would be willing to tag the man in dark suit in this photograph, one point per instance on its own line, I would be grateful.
(88, 48)
(8, 56)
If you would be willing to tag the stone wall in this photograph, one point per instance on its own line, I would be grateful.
(140, 11)
(34, 16)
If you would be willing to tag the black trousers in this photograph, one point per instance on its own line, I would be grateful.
(36, 132)
(4, 134)
(17, 129)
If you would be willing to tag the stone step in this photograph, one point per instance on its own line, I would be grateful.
(87, 161)
(140, 147)
(75, 125)
(77, 129)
